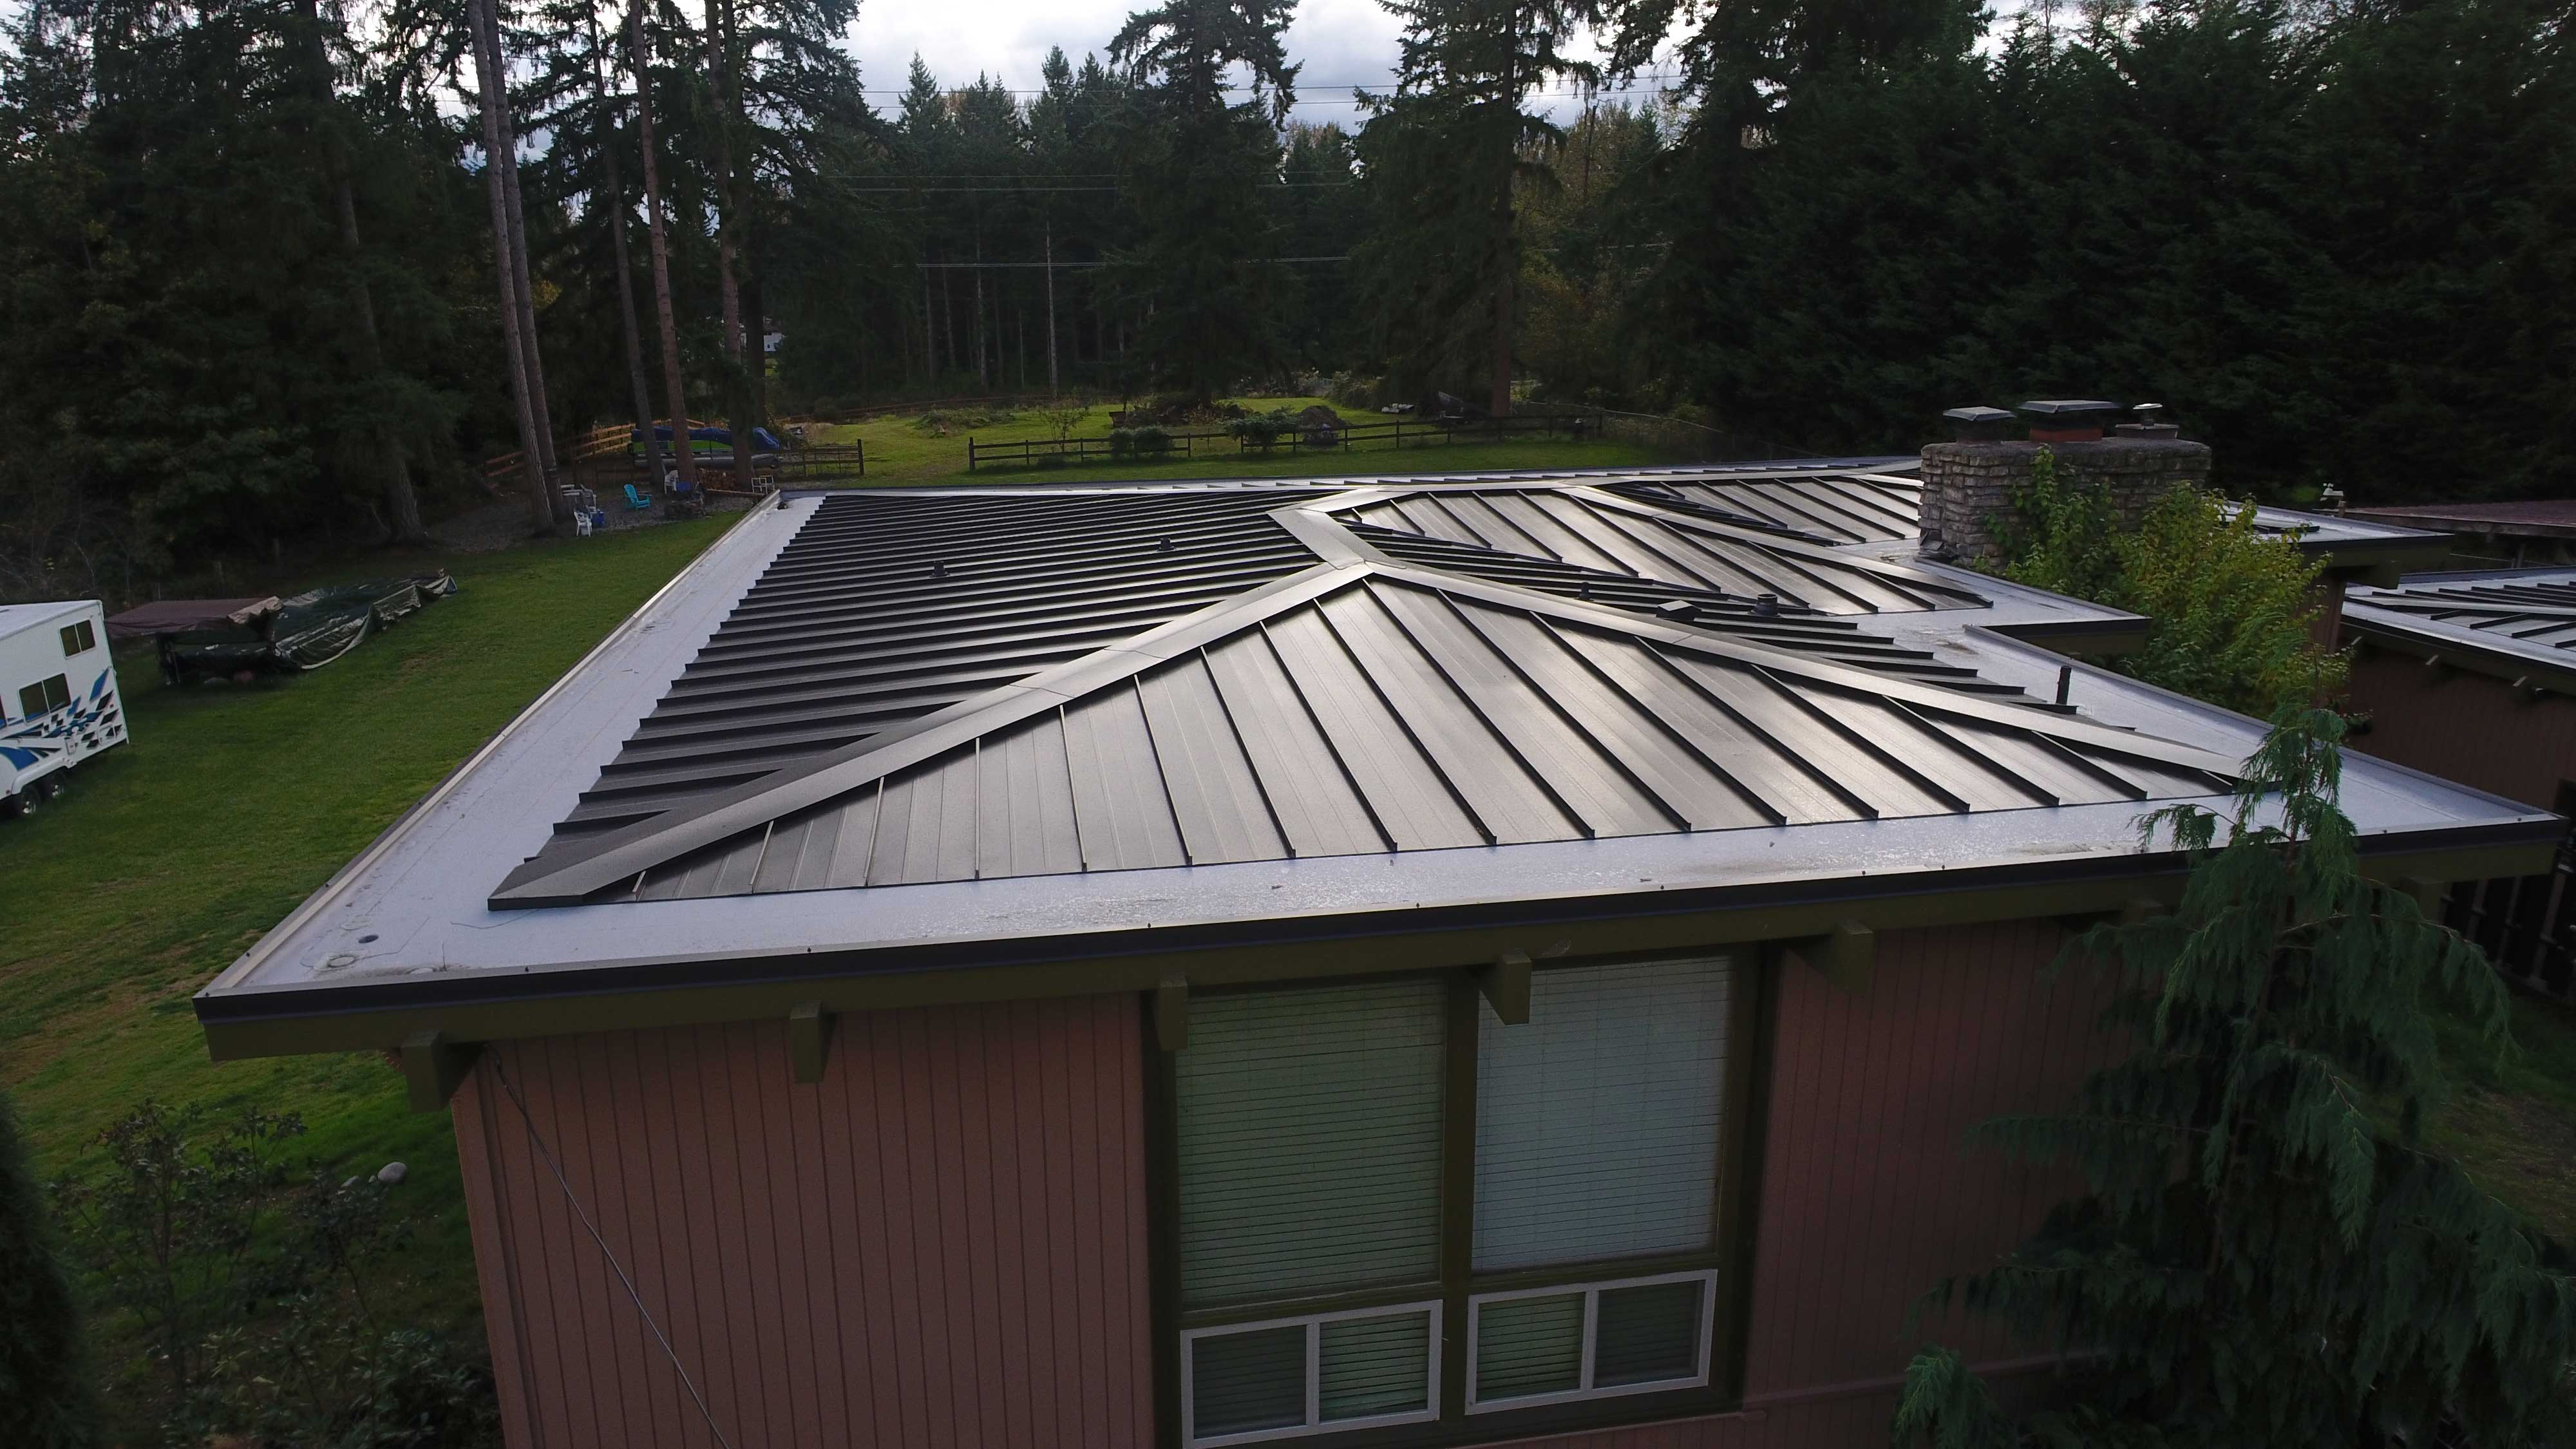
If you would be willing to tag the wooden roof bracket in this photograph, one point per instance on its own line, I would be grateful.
(809, 1039)
(1844, 955)
(432, 1065)
(1506, 987)
(1172, 1013)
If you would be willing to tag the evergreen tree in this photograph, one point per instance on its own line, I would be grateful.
(48, 1383)
(1196, 165)
(2266, 1255)
(1447, 153)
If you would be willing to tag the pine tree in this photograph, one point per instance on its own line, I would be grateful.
(1454, 141)
(2265, 1255)
(48, 1383)
(1196, 165)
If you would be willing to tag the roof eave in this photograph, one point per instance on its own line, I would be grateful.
(481, 1006)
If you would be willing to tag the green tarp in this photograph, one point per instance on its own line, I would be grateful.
(309, 631)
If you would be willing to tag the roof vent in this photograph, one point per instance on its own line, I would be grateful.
(2067, 420)
(939, 568)
(1767, 605)
(1677, 611)
(2150, 423)
(1166, 546)
(1978, 424)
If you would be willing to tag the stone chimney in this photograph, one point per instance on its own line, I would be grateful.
(1969, 482)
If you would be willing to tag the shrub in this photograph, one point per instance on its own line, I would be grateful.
(1263, 430)
(251, 1282)
(2233, 607)
(48, 1386)
(1152, 442)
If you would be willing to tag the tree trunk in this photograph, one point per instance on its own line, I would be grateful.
(983, 372)
(402, 503)
(684, 453)
(1506, 266)
(640, 395)
(541, 509)
(756, 347)
(525, 278)
(929, 335)
(1055, 387)
(728, 217)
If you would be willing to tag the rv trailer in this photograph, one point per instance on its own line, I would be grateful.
(58, 700)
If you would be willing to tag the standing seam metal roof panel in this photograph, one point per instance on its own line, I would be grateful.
(1450, 718)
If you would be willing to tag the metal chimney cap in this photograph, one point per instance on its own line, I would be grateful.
(2053, 408)
(1978, 424)
(2149, 412)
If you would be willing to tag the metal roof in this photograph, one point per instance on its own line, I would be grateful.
(886, 607)
(1611, 533)
(905, 731)
(1356, 710)
(1831, 508)
(2516, 617)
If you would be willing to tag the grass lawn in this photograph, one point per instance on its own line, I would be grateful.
(171, 854)
(899, 451)
(2514, 1122)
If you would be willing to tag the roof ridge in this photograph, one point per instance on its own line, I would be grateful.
(572, 874)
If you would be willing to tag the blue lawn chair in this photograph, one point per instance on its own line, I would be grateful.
(635, 499)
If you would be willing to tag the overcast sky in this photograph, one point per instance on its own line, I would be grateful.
(1342, 43)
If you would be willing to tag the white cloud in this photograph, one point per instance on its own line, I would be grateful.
(1341, 43)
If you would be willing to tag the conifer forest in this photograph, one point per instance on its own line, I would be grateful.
(264, 278)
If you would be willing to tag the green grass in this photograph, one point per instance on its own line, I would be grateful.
(171, 854)
(898, 451)
(2513, 1122)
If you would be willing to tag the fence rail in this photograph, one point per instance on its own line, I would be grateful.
(1165, 447)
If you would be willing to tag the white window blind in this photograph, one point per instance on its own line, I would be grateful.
(1309, 1137)
(1597, 1120)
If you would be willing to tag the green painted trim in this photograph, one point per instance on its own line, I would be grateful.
(841, 982)
(432, 1066)
(1458, 1185)
(809, 1034)
(1172, 1012)
(1750, 1059)
(1506, 987)
(1162, 1223)
(1845, 955)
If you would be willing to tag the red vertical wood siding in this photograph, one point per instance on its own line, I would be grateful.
(1868, 1193)
(940, 1244)
(2467, 727)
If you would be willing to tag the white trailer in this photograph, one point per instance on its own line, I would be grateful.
(58, 700)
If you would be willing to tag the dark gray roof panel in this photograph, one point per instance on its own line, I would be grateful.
(1653, 542)
(2531, 615)
(1831, 508)
(886, 608)
(1380, 709)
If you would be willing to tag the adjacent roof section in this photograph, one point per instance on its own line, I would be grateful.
(1829, 508)
(2518, 621)
(1607, 532)
(1355, 711)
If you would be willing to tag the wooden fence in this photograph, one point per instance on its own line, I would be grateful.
(608, 454)
(1393, 433)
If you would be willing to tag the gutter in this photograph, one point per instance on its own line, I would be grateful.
(488, 1005)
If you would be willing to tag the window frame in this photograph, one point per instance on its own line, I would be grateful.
(78, 638)
(1314, 1326)
(1592, 1291)
(43, 692)
(1751, 1027)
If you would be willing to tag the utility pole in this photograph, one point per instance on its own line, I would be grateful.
(1054, 388)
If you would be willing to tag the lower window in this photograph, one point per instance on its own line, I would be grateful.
(1588, 1341)
(1290, 1376)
